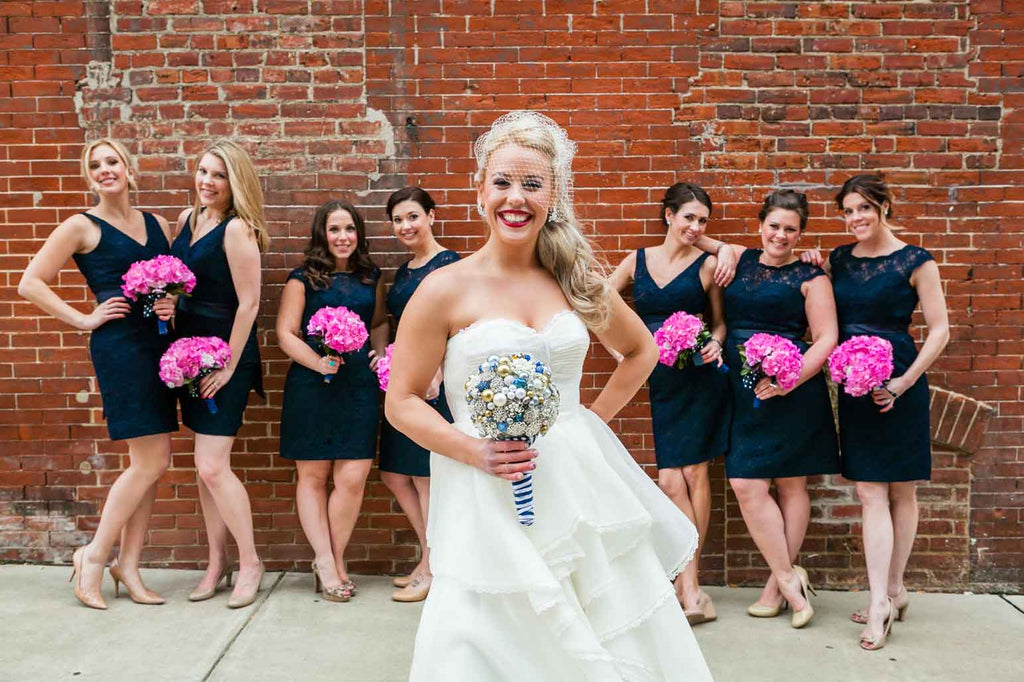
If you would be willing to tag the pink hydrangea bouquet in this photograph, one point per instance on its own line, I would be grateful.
(384, 367)
(190, 359)
(770, 355)
(153, 279)
(337, 330)
(680, 340)
(861, 364)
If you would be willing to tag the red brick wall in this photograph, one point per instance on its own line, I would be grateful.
(355, 98)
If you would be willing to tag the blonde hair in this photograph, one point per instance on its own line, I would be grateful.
(562, 248)
(246, 193)
(119, 149)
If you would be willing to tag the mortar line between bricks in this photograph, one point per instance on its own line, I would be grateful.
(259, 605)
(1003, 597)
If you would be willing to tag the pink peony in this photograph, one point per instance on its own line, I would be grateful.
(157, 277)
(861, 364)
(773, 356)
(679, 338)
(189, 359)
(384, 367)
(337, 329)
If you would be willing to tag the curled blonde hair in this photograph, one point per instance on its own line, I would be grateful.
(119, 149)
(562, 248)
(246, 193)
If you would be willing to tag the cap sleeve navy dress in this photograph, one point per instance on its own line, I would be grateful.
(399, 454)
(210, 311)
(690, 407)
(790, 435)
(336, 420)
(126, 352)
(874, 297)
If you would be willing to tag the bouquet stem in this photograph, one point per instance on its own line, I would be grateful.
(211, 405)
(327, 378)
(161, 326)
(522, 492)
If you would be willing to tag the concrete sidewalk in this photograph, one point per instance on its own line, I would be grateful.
(289, 634)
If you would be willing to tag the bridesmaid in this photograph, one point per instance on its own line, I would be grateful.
(792, 434)
(125, 348)
(221, 240)
(689, 407)
(404, 465)
(886, 441)
(330, 429)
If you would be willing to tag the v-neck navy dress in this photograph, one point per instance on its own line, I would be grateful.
(399, 454)
(790, 435)
(126, 352)
(210, 311)
(874, 297)
(690, 408)
(335, 420)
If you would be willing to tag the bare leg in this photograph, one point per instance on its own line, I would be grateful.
(673, 483)
(216, 539)
(878, 552)
(903, 498)
(311, 502)
(407, 494)
(344, 503)
(213, 461)
(422, 484)
(149, 457)
(767, 527)
(795, 504)
(133, 538)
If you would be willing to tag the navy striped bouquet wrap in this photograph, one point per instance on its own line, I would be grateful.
(512, 397)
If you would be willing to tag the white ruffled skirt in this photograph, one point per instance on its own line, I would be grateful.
(584, 594)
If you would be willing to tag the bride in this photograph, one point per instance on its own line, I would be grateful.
(584, 593)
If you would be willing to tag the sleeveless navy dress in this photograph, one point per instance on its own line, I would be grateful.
(126, 352)
(874, 297)
(790, 435)
(399, 454)
(336, 420)
(690, 408)
(210, 311)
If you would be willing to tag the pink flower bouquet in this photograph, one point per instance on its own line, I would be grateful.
(153, 279)
(337, 330)
(384, 367)
(680, 339)
(861, 364)
(770, 355)
(188, 360)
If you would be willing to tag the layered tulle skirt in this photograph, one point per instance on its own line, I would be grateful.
(583, 594)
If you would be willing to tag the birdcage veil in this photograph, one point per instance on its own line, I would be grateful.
(536, 131)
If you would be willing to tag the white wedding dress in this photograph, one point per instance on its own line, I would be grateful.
(582, 595)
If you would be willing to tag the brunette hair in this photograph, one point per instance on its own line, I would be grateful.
(412, 193)
(682, 193)
(873, 188)
(786, 199)
(319, 263)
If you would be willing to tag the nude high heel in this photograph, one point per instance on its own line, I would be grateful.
(93, 601)
(869, 644)
(144, 596)
(704, 613)
(761, 611)
(804, 616)
(203, 595)
(242, 600)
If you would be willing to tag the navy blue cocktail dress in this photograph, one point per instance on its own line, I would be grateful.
(790, 435)
(126, 352)
(874, 297)
(210, 311)
(690, 408)
(336, 420)
(399, 454)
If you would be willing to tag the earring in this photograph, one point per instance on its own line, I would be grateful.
(480, 209)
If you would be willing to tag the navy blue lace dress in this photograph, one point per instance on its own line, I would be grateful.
(336, 420)
(126, 352)
(398, 454)
(210, 311)
(790, 435)
(874, 297)
(690, 407)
